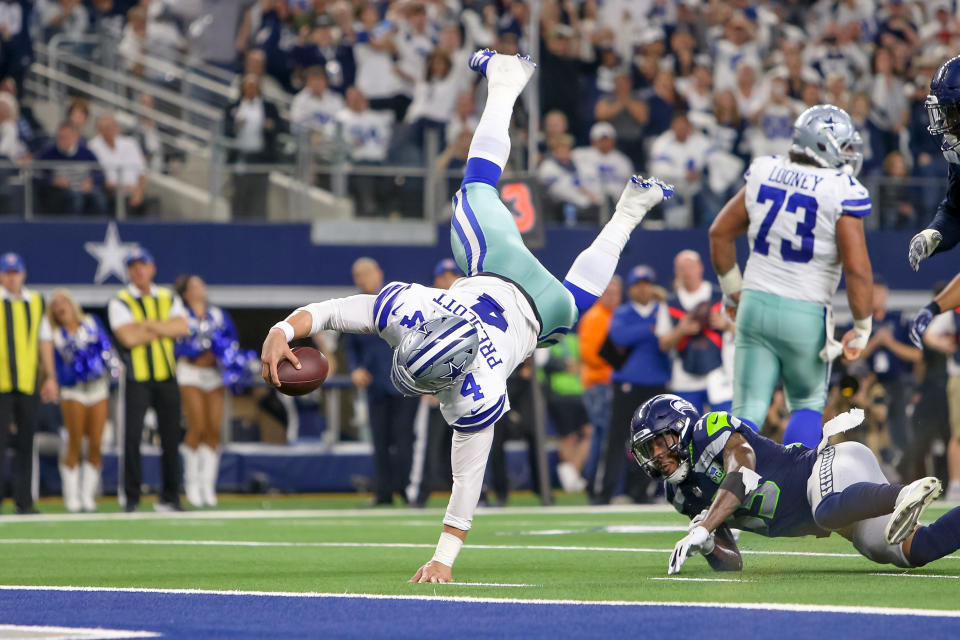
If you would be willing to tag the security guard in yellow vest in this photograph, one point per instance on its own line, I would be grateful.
(146, 319)
(25, 347)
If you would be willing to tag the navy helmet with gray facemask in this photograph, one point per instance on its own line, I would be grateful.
(658, 416)
(434, 355)
(943, 108)
(827, 136)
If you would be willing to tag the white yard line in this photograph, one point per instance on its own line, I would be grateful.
(914, 575)
(73, 633)
(395, 545)
(763, 606)
(681, 579)
(484, 584)
(281, 514)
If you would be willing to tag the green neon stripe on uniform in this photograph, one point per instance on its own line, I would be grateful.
(716, 421)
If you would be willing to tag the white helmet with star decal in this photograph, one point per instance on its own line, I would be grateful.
(432, 357)
(826, 134)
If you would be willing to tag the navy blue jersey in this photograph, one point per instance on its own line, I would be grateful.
(947, 220)
(778, 507)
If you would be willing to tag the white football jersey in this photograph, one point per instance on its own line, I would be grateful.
(506, 327)
(794, 209)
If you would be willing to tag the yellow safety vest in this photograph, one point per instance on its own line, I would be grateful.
(19, 333)
(159, 365)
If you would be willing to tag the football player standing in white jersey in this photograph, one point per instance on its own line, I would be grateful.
(803, 216)
(461, 344)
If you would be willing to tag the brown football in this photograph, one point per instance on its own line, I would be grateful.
(311, 374)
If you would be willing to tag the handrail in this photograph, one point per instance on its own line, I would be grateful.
(143, 86)
(200, 133)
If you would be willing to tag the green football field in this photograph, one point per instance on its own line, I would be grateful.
(337, 545)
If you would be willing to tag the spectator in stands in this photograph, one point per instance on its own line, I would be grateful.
(798, 74)
(897, 198)
(432, 108)
(29, 352)
(691, 326)
(78, 114)
(16, 16)
(83, 358)
(67, 17)
(554, 123)
(697, 90)
(889, 100)
(376, 53)
(643, 374)
(836, 53)
(107, 18)
(596, 373)
(751, 97)
(464, 117)
(316, 105)
(560, 70)
(69, 189)
(391, 414)
(366, 134)
(123, 165)
(678, 156)
(322, 47)
(627, 114)
(664, 102)
(739, 43)
(255, 63)
(143, 37)
(568, 199)
(217, 32)
(774, 121)
(148, 136)
(253, 123)
(603, 170)
(11, 147)
(29, 130)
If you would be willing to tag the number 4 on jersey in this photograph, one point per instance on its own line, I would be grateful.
(412, 321)
(471, 388)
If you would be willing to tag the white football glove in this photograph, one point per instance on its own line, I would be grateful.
(689, 545)
(640, 195)
(922, 247)
(707, 547)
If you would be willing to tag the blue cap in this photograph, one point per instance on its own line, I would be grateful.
(447, 264)
(638, 273)
(138, 255)
(11, 262)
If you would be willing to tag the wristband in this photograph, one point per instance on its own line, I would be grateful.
(934, 308)
(732, 281)
(863, 326)
(287, 329)
(447, 549)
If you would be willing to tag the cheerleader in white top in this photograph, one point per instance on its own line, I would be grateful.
(208, 359)
(84, 357)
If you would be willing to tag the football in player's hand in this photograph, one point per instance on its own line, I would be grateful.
(311, 374)
(725, 556)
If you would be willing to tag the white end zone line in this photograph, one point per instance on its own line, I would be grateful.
(399, 545)
(915, 575)
(681, 579)
(278, 514)
(763, 606)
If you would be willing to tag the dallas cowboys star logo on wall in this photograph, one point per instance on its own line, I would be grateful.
(110, 255)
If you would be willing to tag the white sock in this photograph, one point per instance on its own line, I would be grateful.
(491, 139)
(594, 267)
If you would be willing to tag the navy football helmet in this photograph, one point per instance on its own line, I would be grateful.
(662, 414)
(943, 108)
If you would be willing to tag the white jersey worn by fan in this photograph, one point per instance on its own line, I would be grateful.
(793, 210)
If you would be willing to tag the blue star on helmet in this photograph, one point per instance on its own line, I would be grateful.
(829, 122)
(455, 371)
(423, 329)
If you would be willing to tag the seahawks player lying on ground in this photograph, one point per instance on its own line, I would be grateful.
(461, 344)
(943, 108)
(720, 473)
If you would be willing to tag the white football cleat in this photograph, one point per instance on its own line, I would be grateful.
(639, 196)
(500, 70)
(913, 499)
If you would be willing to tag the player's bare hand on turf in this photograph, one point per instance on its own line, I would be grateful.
(689, 545)
(433, 571)
(275, 350)
(922, 247)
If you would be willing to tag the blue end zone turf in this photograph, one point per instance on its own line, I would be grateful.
(261, 616)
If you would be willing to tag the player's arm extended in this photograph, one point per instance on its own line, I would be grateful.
(740, 463)
(858, 272)
(731, 223)
(353, 314)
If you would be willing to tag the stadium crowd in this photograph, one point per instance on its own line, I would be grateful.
(687, 89)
